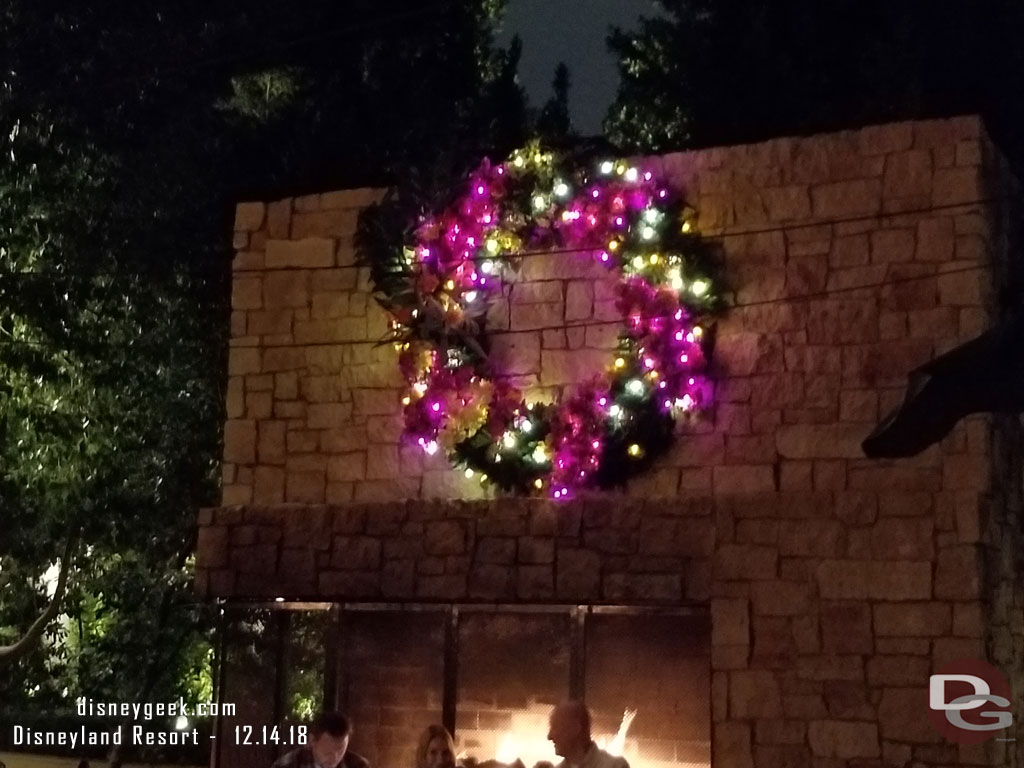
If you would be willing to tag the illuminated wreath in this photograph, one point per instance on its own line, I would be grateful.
(609, 428)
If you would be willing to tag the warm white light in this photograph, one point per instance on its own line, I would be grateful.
(509, 440)
(607, 166)
(632, 175)
(614, 410)
(470, 297)
(635, 387)
(647, 233)
(561, 189)
(699, 287)
(469, 472)
(539, 202)
(431, 447)
(181, 723)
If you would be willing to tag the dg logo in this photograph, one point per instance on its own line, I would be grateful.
(969, 702)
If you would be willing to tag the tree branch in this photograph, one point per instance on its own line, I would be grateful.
(11, 653)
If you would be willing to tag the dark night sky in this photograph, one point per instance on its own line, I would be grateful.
(573, 31)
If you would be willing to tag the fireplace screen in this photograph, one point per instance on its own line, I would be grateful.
(491, 674)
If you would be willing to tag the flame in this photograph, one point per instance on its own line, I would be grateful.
(508, 750)
(618, 743)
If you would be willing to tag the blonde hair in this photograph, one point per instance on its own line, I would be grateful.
(429, 734)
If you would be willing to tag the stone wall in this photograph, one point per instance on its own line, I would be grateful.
(836, 584)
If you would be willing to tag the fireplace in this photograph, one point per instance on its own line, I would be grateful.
(490, 673)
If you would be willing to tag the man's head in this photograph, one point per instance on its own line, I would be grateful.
(569, 730)
(330, 732)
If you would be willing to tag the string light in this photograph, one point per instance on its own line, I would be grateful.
(634, 450)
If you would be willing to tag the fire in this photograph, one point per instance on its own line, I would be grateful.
(617, 745)
(531, 746)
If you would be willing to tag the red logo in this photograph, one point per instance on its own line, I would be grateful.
(969, 702)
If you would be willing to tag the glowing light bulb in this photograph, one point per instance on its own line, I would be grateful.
(469, 472)
(675, 279)
(699, 287)
(648, 175)
(686, 226)
(483, 478)
(634, 450)
(526, 426)
(605, 256)
(419, 388)
(538, 483)
(491, 245)
(650, 215)
(655, 258)
(635, 387)
(508, 440)
(620, 363)
(615, 410)
(607, 166)
(430, 448)
(613, 245)
(480, 189)
(406, 400)
(435, 407)
(540, 454)
(539, 202)
(620, 169)
(450, 285)
(561, 189)
(638, 262)
(698, 331)
(632, 175)
(518, 161)
(647, 233)
(471, 296)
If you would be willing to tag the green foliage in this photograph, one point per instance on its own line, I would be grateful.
(554, 124)
(127, 134)
(714, 72)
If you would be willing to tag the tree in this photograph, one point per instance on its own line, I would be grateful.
(715, 72)
(554, 123)
(128, 134)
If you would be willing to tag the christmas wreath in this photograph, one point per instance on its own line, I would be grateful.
(457, 258)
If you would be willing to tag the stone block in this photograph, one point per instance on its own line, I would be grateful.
(212, 547)
(745, 562)
(743, 479)
(309, 253)
(903, 716)
(858, 197)
(790, 203)
(643, 587)
(732, 745)
(754, 694)
(730, 622)
(780, 598)
(908, 174)
(517, 353)
(492, 581)
(958, 573)
(846, 627)
(578, 574)
(912, 619)
(892, 245)
(955, 186)
(306, 487)
(286, 289)
(843, 739)
(240, 441)
(559, 366)
(249, 216)
(446, 537)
